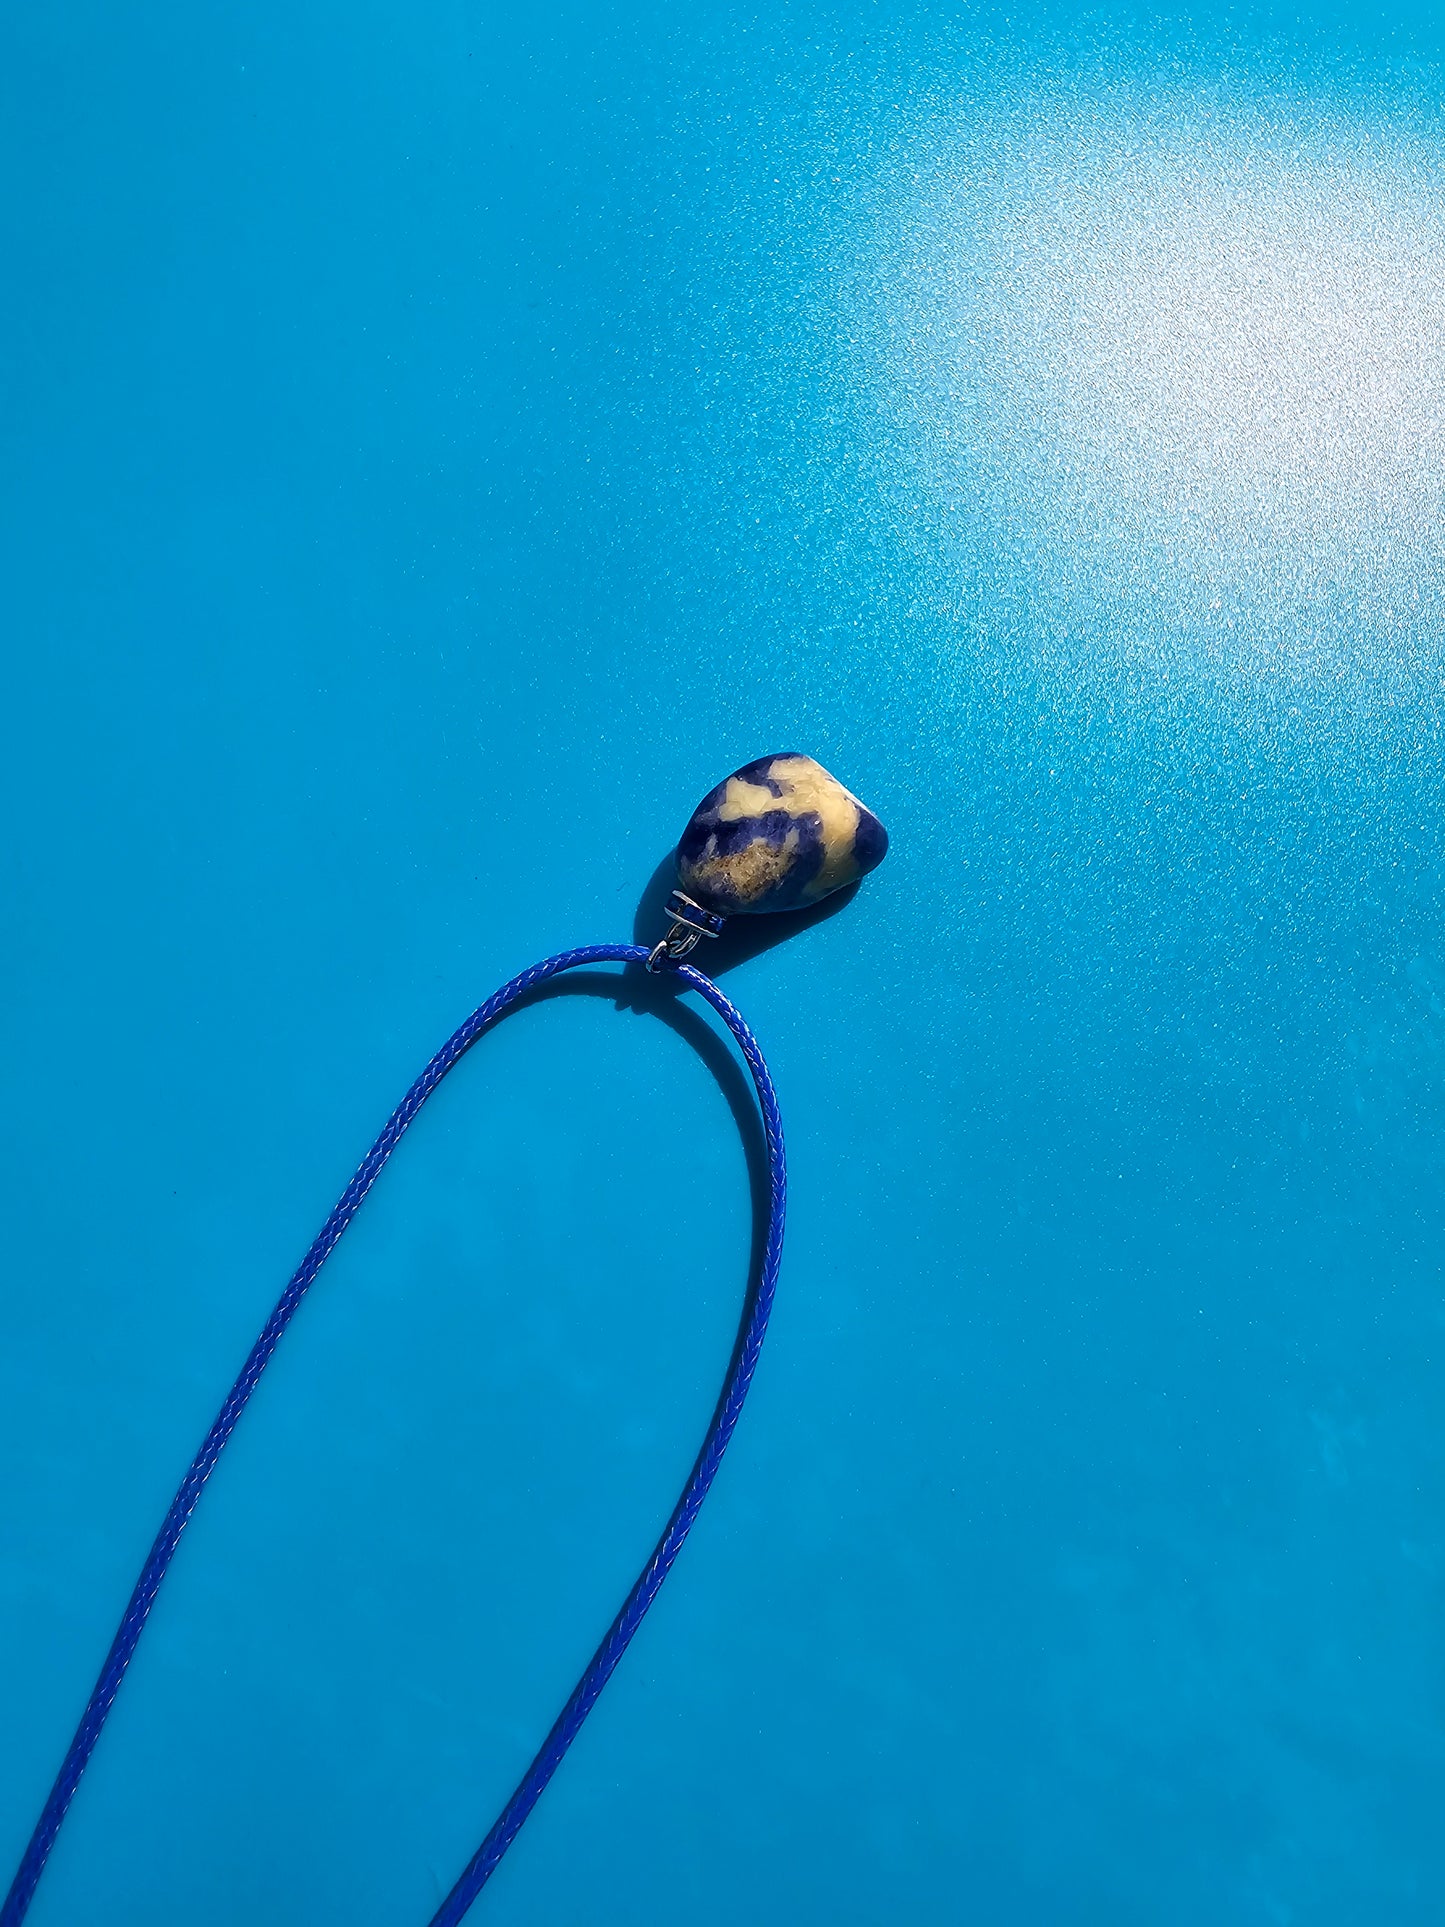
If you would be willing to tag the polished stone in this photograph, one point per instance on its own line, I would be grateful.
(778, 834)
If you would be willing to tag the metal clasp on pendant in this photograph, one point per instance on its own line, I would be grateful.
(690, 924)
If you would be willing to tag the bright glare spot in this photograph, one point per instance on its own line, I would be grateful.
(1175, 362)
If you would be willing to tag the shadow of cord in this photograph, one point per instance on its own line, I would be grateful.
(658, 996)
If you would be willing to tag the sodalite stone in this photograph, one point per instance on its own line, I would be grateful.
(779, 834)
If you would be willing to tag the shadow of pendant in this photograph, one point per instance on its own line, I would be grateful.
(742, 937)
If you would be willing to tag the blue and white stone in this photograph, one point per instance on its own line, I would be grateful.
(778, 834)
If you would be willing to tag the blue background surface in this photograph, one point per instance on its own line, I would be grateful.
(439, 445)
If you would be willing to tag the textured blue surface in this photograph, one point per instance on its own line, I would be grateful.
(437, 448)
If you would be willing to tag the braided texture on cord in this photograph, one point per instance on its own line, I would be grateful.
(619, 1634)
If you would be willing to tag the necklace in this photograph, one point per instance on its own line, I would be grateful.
(780, 834)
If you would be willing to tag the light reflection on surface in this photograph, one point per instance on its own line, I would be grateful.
(1180, 364)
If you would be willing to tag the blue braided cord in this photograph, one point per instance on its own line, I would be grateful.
(619, 1635)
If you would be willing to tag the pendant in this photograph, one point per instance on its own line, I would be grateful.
(778, 834)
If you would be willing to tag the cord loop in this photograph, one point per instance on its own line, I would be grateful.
(720, 1429)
